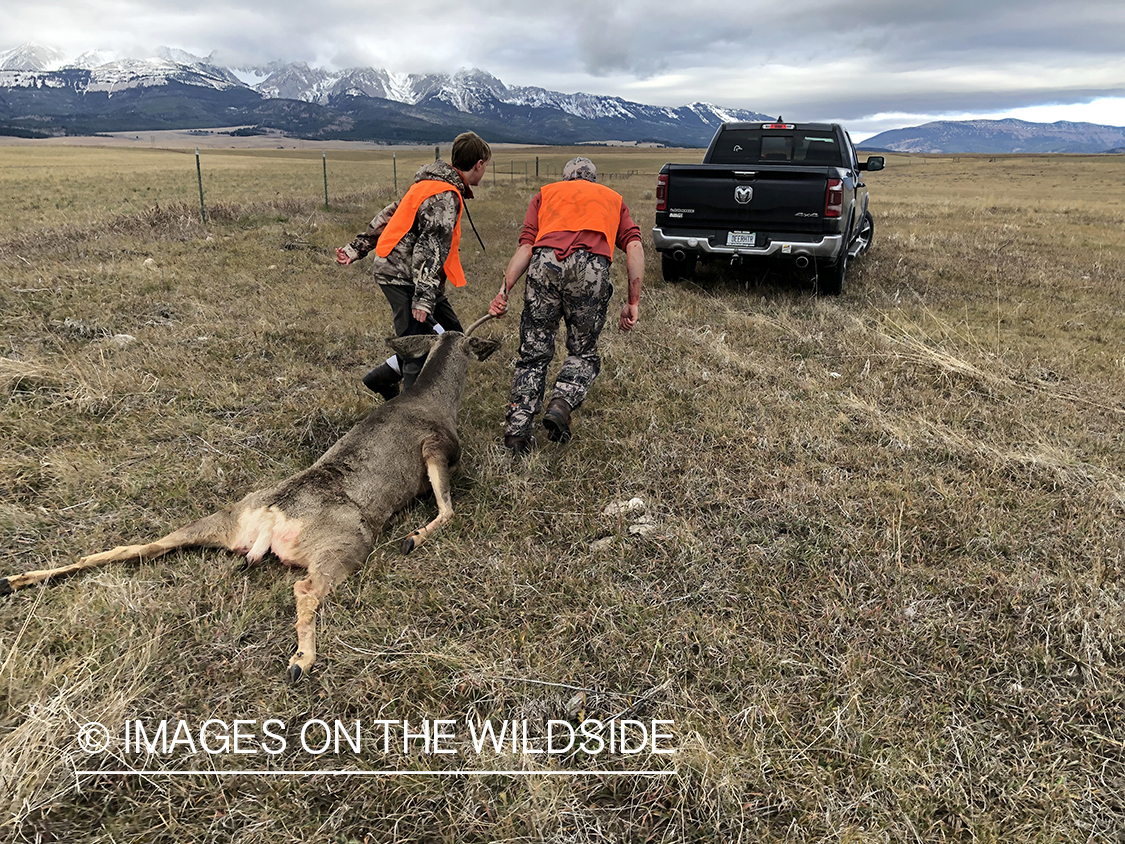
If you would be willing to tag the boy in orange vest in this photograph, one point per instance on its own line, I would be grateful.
(415, 241)
(566, 248)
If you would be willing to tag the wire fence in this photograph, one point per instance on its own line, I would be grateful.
(527, 170)
(530, 170)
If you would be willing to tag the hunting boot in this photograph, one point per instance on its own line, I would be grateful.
(519, 446)
(557, 421)
(382, 380)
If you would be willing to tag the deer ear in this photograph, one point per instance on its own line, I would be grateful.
(412, 345)
(481, 348)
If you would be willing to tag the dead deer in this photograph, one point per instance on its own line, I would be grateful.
(325, 519)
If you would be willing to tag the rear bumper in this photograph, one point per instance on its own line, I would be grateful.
(827, 247)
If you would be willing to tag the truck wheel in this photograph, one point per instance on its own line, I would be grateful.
(831, 281)
(866, 233)
(674, 270)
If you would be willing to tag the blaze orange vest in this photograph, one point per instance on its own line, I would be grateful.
(578, 205)
(403, 220)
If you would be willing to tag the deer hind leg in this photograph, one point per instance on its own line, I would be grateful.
(328, 567)
(214, 531)
(437, 467)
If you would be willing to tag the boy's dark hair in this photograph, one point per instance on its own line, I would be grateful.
(468, 149)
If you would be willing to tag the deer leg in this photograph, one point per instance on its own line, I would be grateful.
(437, 467)
(309, 594)
(333, 562)
(214, 530)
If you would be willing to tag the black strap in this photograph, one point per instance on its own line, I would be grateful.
(465, 205)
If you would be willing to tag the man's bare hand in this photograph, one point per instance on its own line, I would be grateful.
(342, 257)
(628, 317)
(499, 305)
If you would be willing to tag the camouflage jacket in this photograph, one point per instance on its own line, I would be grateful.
(418, 258)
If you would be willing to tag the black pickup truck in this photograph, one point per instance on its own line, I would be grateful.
(792, 191)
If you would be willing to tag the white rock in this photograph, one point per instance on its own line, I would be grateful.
(123, 340)
(618, 508)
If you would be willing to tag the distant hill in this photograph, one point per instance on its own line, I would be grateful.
(1001, 136)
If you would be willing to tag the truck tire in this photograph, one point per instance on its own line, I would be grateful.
(674, 270)
(866, 234)
(831, 281)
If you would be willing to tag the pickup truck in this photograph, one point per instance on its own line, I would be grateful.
(792, 191)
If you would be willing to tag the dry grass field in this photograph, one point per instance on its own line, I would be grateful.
(877, 585)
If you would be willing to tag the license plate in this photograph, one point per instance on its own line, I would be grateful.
(741, 238)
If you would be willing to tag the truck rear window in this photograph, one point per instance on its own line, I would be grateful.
(757, 146)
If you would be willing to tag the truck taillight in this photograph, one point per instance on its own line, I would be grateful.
(662, 192)
(834, 198)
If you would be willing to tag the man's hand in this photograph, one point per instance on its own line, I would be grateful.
(419, 315)
(499, 304)
(628, 317)
(342, 257)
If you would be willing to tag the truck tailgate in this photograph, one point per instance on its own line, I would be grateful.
(787, 199)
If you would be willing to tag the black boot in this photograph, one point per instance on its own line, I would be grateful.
(557, 421)
(382, 380)
(519, 446)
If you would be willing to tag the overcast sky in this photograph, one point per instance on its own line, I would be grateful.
(870, 64)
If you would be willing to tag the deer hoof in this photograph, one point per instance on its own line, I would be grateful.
(299, 666)
(407, 545)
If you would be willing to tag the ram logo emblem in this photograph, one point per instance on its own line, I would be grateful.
(743, 194)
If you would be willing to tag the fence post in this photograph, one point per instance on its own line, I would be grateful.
(199, 173)
(437, 153)
(537, 167)
(394, 163)
(324, 157)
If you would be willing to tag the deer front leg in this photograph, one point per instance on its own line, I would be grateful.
(213, 531)
(437, 468)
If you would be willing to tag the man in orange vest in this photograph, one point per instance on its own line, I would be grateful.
(566, 248)
(415, 241)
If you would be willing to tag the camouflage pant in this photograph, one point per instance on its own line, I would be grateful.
(578, 290)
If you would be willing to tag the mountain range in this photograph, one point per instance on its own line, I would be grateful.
(44, 92)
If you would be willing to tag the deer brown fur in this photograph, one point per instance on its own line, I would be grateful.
(325, 519)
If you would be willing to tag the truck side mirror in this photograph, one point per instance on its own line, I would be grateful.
(873, 163)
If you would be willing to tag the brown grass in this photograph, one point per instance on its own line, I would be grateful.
(879, 591)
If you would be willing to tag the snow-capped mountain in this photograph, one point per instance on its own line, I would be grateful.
(356, 102)
(31, 57)
(32, 66)
(470, 91)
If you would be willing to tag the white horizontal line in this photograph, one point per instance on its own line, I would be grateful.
(390, 773)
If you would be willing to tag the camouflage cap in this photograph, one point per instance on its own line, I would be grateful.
(580, 168)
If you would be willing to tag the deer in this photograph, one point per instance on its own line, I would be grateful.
(326, 518)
